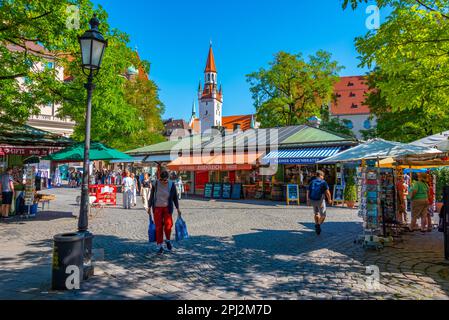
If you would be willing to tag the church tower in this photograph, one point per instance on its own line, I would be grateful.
(210, 97)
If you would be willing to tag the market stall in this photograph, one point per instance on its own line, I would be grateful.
(21, 147)
(378, 187)
(104, 194)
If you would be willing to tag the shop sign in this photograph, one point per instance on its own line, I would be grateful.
(23, 151)
(298, 160)
(213, 167)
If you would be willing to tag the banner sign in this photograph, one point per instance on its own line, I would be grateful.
(296, 160)
(212, 167)
(24, 151)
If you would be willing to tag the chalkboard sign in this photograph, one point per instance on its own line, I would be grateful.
(218, 188)
(236, 191)
(208, 190)
(227, 187)
(292, 193)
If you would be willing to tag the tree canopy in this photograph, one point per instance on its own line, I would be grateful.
(122, 117)
(293, 89)
(409, 59)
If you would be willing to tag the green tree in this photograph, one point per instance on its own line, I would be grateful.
(116, 116)
(411, 50)
(400, 125)
(334, 124)
(292, 89)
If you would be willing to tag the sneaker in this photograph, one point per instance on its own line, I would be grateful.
(160, 251)
(169, 246)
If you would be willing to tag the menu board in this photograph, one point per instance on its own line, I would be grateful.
(236, 191)
(292, 193)
(208, 190)
(227, 188)
(29, 186)
(218, 188)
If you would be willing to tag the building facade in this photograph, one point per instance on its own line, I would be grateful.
(348, 104)
(48, 118)
(210, 97)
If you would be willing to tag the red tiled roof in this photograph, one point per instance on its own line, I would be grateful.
(349, 96)
(228, 122)
(210, 65)
(244, 121)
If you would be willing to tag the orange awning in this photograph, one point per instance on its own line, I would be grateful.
(230, 162)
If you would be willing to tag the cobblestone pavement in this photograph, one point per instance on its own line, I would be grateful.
(237, 250)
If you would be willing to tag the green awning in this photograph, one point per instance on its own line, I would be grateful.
(16, 134)
(98, 151)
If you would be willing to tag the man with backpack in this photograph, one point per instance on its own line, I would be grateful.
(318, 191)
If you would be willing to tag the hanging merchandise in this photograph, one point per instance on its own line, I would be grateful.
(388, 195)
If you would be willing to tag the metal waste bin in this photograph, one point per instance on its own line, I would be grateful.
(68, 256)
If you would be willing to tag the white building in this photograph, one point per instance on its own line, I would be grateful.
(48, 118)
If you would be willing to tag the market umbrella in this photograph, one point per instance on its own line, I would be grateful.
(379, 149)
(439, 141)
(98, 151)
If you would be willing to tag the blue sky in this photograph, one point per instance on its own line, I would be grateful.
(174, 36)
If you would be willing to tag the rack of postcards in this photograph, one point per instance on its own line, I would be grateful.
(369, 196)
(378, 199)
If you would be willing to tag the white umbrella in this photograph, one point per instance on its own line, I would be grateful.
(378, 149)
(439, 141)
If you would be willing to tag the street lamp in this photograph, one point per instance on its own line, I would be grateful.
(92, 45)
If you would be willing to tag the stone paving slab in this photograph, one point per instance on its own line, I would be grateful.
(237, 250)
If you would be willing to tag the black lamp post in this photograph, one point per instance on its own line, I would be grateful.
(92, 45)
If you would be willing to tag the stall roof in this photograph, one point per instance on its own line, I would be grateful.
(16, 134)
(379, 149)
(166, 147)
(439, 141)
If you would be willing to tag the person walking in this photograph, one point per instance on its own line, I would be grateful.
(134, 190)
(163, 199)
(317, 192)
(7, 190)
(145, 190)
(127, 191)
(419, 195)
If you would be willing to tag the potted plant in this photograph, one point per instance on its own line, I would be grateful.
(350, 194)
(442, 180)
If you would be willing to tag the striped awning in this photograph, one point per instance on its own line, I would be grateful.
(300, 156)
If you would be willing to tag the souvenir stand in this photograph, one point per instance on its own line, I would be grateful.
(378, 200)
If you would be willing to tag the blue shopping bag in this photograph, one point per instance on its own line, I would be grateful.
(151, 231)
(181, 229)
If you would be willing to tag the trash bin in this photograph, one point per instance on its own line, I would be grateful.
(68, 256)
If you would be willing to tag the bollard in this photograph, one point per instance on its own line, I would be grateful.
(68, 256)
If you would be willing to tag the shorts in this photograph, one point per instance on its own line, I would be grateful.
(319, 207)
(7, 198)
(420, 208)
